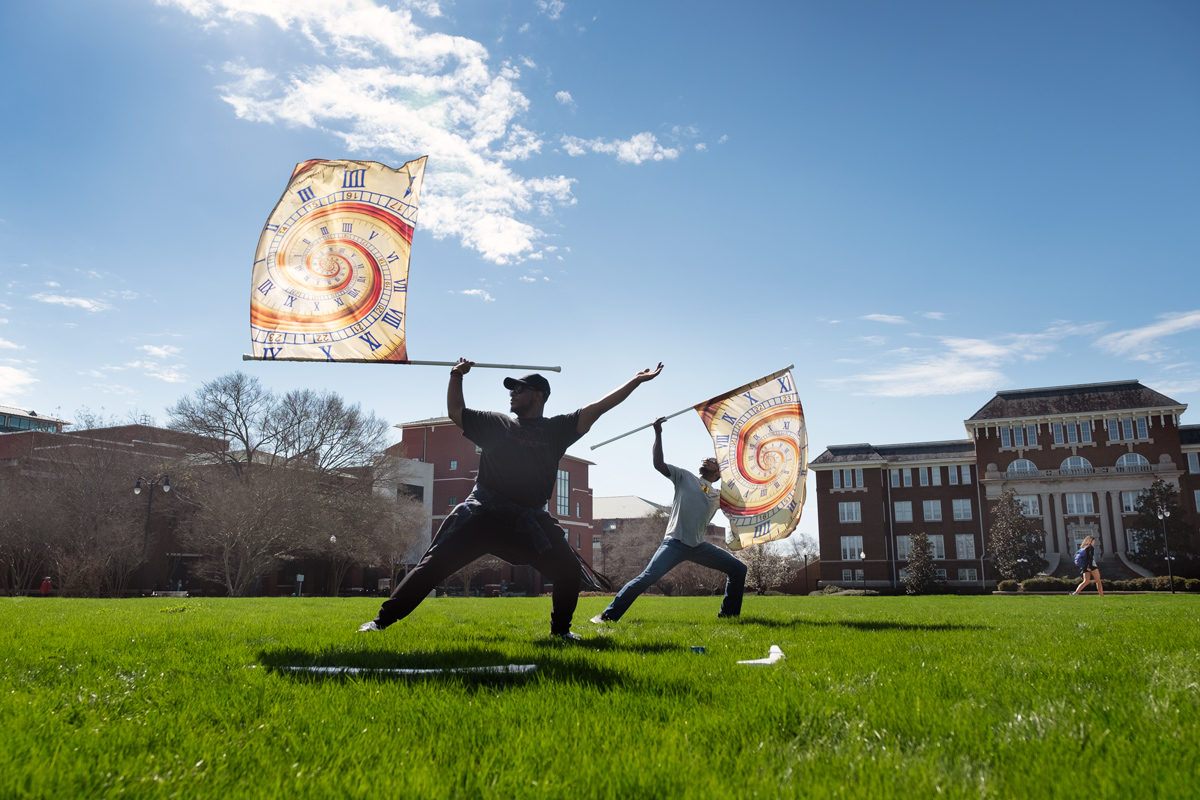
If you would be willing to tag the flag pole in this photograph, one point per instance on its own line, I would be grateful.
(246, 357)
(690, 408)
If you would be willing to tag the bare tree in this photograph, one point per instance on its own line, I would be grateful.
(24, 530)
(765, 569)
(628, 549)
(479, 565)
(233, 408)
(393, 547)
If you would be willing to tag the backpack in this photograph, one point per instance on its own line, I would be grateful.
(1081, 557)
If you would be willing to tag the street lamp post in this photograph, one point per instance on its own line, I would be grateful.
(862, 556)
(1163, 513)
(165, 482)
(805, 554)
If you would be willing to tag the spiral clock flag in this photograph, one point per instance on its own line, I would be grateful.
(762, 446)
(330, 273)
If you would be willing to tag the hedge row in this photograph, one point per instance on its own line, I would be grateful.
(1159, 584)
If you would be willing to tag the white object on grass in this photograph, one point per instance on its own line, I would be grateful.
(506, 669)
(774, 655)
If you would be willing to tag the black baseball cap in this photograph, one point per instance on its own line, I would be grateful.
(532, 380)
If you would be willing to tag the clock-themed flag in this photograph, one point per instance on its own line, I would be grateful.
(762, 447)
(331, 269)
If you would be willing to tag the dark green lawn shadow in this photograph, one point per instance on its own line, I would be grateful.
(862, 625)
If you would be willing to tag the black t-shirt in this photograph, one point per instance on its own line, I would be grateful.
(519, 458)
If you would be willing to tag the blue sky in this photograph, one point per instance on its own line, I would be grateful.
(916, 204)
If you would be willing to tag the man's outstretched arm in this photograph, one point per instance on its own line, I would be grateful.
(592, 411)
(659, 463)
(454, 393)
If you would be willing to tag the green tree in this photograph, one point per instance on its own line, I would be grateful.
(1016, 543)
(1147, 532)
(921, 577)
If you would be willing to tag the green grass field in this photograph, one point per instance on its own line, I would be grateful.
(981, 697)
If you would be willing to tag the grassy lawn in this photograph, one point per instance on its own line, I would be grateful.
(878, 697)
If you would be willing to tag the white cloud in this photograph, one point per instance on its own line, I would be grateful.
(72, 302)
(168, 374)
(480, 293)
(638, 148)
(528, 279)
(3, 320)
(14, 382)
(723, 140)
(91, 373)
(1177, 388)
(55, 284)
(523, 28)
(551, 8)
(961, 364)
(1141, 344)
(160, 352)
(891, 320)
(701, 147)
(873, 340)
(564, 98)
(379, 82)
(5, 344)
(933, 314)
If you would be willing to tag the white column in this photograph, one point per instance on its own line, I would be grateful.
(1105, 537)
(1064, 546)
(1119, 526)
(1044, 502)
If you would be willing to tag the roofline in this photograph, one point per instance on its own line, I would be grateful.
(1003, 392)
(1175, 410)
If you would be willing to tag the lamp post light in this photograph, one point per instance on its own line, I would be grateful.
(862, 555)
(1163, 513)
(805, 554)
(165, 482)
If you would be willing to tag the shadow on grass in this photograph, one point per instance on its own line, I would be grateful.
(862, 625)
(560, 663)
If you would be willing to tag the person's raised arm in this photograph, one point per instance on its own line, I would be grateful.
(454, 393)
(659, 463)
(592, 411)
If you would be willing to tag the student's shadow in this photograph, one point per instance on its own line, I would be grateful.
(862, 625)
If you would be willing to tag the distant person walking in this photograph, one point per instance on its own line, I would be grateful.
(696, 500)
(47, 587)
(1090, 571)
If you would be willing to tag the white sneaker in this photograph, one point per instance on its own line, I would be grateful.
(570, 636)
(369, 627)
(598, 619)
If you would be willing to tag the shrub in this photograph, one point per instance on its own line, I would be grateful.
(1117, 586)
(1192, 585)
(1045, 584)
(1013, 586)
(1141, 585)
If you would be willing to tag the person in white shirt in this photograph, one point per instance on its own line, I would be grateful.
(696, 500)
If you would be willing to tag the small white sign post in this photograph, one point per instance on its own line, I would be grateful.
(300, 585)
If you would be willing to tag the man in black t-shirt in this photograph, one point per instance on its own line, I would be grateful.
(505, 513)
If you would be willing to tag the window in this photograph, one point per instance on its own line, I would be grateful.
(1006, 437)
(847, 575)
(453, 501)
(578, 511)
(1058, 432)
(932, 510)
(453, 465)
(1085, 432)
(1030, 505)
(1114, 430)
(1020, 467)
(903, 544)
(936, 475)
(1196, 497)
(849, 512)
(596, 540)
(609, 525)
(1143, 428)
(1076, 465)
(851, 547)
(895, 478)
(1018, 436)
(858, 577)
(941, 573)
(564, 493)
(858, 478)
(962, 508)
(903, 511)
(1080, 503)
(1129, 502)
(578, 540)
(907, 477)
(924, 473)
(1132, 462)
(968, 575)
(411, 490)
(837, 479)
(1072, 435)
(1127, 429)
(1193, 463)
(966, 473)
(952, 472)
(937, 546)
(964, 546)
(1031, 434)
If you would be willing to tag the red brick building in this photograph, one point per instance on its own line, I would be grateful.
(1077, 456)
(455, 460)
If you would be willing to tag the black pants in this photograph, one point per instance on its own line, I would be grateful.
(482, 535)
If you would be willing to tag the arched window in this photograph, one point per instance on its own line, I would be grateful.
(1076, 465)
(1132, 462)
(1021, 467)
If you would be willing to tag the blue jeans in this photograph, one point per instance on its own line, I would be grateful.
(670, 554)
